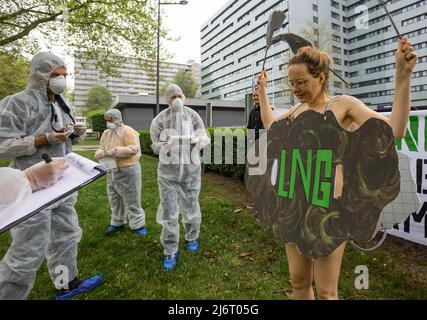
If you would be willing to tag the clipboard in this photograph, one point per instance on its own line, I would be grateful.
(82, 172)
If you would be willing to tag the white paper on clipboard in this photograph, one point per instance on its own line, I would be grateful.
(81, 172)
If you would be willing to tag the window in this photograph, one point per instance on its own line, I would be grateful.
(336, 49)
(335, 4)
(415, 19)
(337, 84)
(337, 61)
(335, 27)
(335, 15)
(336, 38)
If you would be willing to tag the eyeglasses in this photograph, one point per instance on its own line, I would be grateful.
(298, 83)
(54, 75)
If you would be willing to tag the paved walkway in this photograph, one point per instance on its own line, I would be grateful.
(85, 148)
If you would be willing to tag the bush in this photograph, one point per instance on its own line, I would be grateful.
(237, 171)
(97, 121)
(145, 140)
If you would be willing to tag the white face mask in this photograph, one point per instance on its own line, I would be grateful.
(58, 84)
(177, 104)
(111, 125)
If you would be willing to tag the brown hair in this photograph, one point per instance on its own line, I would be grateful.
(317, 61)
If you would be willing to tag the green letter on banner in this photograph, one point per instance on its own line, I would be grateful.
(282, 192)
(324, 156)
(305, 173)
(411, 132)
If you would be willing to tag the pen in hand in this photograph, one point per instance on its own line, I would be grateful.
(46, 158)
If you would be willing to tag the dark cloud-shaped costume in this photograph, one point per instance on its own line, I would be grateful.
(371, 180)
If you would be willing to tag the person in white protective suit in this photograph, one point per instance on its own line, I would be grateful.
(36, 121)
(121, 144)
(178, 135)
(16, 186)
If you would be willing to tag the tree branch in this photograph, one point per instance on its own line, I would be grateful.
(28, 29)
(41, 12)
(34, 24)
(17, 13)
(26, 14)
(12, 24)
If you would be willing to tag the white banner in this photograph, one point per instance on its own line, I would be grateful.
(415, 146)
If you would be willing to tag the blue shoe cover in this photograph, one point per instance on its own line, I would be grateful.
(169, 262)
(113, 229)
(193, 245)
(86, 286)
(141, 231)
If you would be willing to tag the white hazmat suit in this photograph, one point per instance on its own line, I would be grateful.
(53, 233)
(121, 143)
(179, 170)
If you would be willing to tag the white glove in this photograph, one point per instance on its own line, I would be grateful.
(99, 154)
(57, 138)
(110, 153)
(80, 129)
(43, 175)
(195, 141)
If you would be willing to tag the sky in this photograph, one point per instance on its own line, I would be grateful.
(185, 21)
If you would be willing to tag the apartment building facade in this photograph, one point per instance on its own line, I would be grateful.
(132, 80)
(359, 38)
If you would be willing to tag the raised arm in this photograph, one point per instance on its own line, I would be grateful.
(267, 114)
(406, 59)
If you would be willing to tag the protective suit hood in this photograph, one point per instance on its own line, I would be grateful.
(42, 66)
(116, 115)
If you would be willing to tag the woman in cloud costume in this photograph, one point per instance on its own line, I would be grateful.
(327, 183)
(371, 181)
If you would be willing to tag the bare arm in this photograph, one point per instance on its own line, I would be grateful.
(360, 113)
(406, 59)
(267, 114)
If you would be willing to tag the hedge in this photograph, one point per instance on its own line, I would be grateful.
(97, 121)
(236, 171)
(145, 141)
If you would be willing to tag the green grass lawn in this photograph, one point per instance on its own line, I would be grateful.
(89, 141)
(237, 260)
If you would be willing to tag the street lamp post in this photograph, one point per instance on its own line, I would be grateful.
(183, 2)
